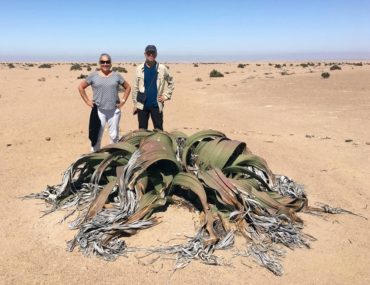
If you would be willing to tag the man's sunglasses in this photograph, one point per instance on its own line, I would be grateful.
(105, 62)
(151, 53)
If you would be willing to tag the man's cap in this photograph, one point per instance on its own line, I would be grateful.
(151, 48)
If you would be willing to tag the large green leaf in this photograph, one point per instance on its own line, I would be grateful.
(194, 139)
(218, 153)
(134, 137)
(226, 191)
(257, 162)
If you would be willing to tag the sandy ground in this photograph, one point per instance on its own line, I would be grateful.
(314, 130)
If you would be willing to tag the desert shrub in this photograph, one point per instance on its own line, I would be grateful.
(134, 64)
(30, 64)
(41, 79)
(285, 73)
(76, 66)
(215, 73)
(241, 65)
(119, 69)
(270, 64)
(88, 68)
(304, 65)
(195, 65)
(335, 67)
(277, 65)
(11, 65)
(257, 64)
(291, 64)
(198, 79)
(284, 65)
(357, 64)
(94, 64)
(45, 65)
(82, 76)
(325, 75)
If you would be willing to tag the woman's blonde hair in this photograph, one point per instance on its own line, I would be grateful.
(105, 54)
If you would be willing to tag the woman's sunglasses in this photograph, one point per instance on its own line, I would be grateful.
(104, 62)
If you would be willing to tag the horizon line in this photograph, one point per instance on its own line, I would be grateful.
(195, 58)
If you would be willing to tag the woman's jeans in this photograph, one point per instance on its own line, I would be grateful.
(112, 117)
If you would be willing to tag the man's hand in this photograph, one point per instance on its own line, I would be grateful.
(161, 98)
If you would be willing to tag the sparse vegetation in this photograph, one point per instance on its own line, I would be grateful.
(195, 65)
(241, 65)
(198, 79)
(285, 72)
(76, 66)
(277, 65)
(325, 75)
(11, 65)
(335, 67)
(88, 68)
(45, 65)
(42, 79)
(304, 65)
(215, 73)
(82, 76)
(119, 69)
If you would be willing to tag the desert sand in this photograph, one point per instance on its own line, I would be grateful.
(314, 130)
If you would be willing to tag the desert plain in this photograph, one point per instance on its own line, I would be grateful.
(314, 130)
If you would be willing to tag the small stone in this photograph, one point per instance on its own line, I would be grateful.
(367, 143)
(348, 140)
(8, 144)
(48, 139)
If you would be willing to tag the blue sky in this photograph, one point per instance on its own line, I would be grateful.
(185, 30)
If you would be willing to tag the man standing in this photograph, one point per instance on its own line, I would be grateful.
(153, 84)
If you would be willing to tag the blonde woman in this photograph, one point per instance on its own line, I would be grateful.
(105, 103)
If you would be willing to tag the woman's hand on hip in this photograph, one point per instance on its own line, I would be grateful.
(119, 105)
